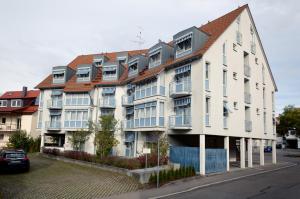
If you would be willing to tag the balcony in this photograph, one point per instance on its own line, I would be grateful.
(248, 125)
(179, 89)
(144, 124)
(247, 98)
(9, 127)
(54, 104)
(107, 103)
(149, 92)
(253, 48)
(128, 124)
(247, 70)
(127, 100)
(180, 122)
(53, 125)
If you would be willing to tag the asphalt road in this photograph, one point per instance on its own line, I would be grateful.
(274, 185)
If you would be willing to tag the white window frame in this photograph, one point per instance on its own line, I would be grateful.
(84, 79)
(16, 103)
(2, 103)
(179, 40)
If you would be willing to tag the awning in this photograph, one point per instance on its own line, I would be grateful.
(129, 137)
(56, 92)
(129, 111)
(109, 68)
(83, 71)
(183, 69)
(185, 37)
(182, 102)
(108, 91)
(55, 113)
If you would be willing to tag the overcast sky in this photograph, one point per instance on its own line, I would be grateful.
(36, 35)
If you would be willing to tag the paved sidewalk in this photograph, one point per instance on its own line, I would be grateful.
(200, 181)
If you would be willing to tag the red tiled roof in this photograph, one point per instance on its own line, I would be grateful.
(18, 94)
(214, 29)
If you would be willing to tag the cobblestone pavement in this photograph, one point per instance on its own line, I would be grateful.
(55, 179)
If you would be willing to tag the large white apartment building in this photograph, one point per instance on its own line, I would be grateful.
(211, 87)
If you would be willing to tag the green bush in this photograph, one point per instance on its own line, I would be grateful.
(20, 140)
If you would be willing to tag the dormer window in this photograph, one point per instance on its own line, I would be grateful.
(98, 62)
(16, 103)
(83, 74)
(58, 76)
(122, 60)
(184, 45)
(155, 58)
(110, 73)
(3, 103)
(133, 68)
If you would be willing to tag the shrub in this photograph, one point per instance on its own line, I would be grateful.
(152, 160)
(54, 152)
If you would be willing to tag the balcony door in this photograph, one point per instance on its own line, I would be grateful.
(182, 115)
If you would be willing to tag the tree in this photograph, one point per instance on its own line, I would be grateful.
(20, 140)
(104, 135)
(78, 139)
(163, 146)
(289, 120)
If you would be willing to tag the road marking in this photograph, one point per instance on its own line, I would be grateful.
(220, 182)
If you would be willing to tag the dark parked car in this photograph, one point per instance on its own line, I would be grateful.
(268, 149)
(12, 159)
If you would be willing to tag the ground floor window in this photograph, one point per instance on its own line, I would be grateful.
(54, 140)
(1, 136)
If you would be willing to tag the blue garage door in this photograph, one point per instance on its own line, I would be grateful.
(185, 156)
(215, 160)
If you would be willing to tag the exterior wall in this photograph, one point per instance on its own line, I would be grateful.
(235, 88)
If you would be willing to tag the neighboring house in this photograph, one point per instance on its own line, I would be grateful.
(18, 111)
(210, 87)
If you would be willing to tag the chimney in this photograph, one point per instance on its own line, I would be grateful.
(24, 91)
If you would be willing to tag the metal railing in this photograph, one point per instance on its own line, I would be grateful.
(180, 88)
(127, 100)
(54, 104)
(107, 103)
(247, 98)
(179, 121)
(9, 127)
(247, 70)
(248, 125)
(53, 125)
(128, 124)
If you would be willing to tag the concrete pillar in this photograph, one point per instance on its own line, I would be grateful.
(202, 154)
(274, 159)
(242, 152)
(262, 153)
(250, 161)
(42, 142)
(226, 146)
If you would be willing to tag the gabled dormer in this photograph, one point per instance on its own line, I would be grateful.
(188, 41)
(61, 74)
(159, 54)
(99, 60)
(86, 72)
(136, 64)
(112, 71)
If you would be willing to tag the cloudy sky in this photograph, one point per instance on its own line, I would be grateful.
(37, 35)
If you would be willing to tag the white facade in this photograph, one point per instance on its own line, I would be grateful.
(238, 103)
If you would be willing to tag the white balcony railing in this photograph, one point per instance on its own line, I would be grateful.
(180, 88)
(107, 103)
(54, 104)
(53, 125)
(9, 127)
(248, 125)
(147, 122)
(247, 70)
(127, 100)
(180, 121)
(247, 98)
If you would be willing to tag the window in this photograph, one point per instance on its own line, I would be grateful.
(107, 112)
(238, 33)
(265, 122)
(235, 105)
(133, 68)
(155, 59)
(147, 89)
(256, 60)
(224, 54)
(225, 115)
(3, 121)
(1, 136)
(40, 120)
(207, 111)
(184, 45)
(98, 62)
(234, 75)
(145, 114)
(264, 97)
(83, 74)
(58, 76)
(253, 45)
(273, 101)
(3, 103)
(77, 99)
(122, 60)
(257, 111)
(76, 119)
(207, 68)
(234, 47)
(161, 113)
(110, 73)
(257, 85)
(224, 83)
(16, 103)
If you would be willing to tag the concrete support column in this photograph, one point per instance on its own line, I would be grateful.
(42, 142)
(202, 154)
(250, 161)
(242, 152)
(274, 159)
(262, 153)
(226, 146)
